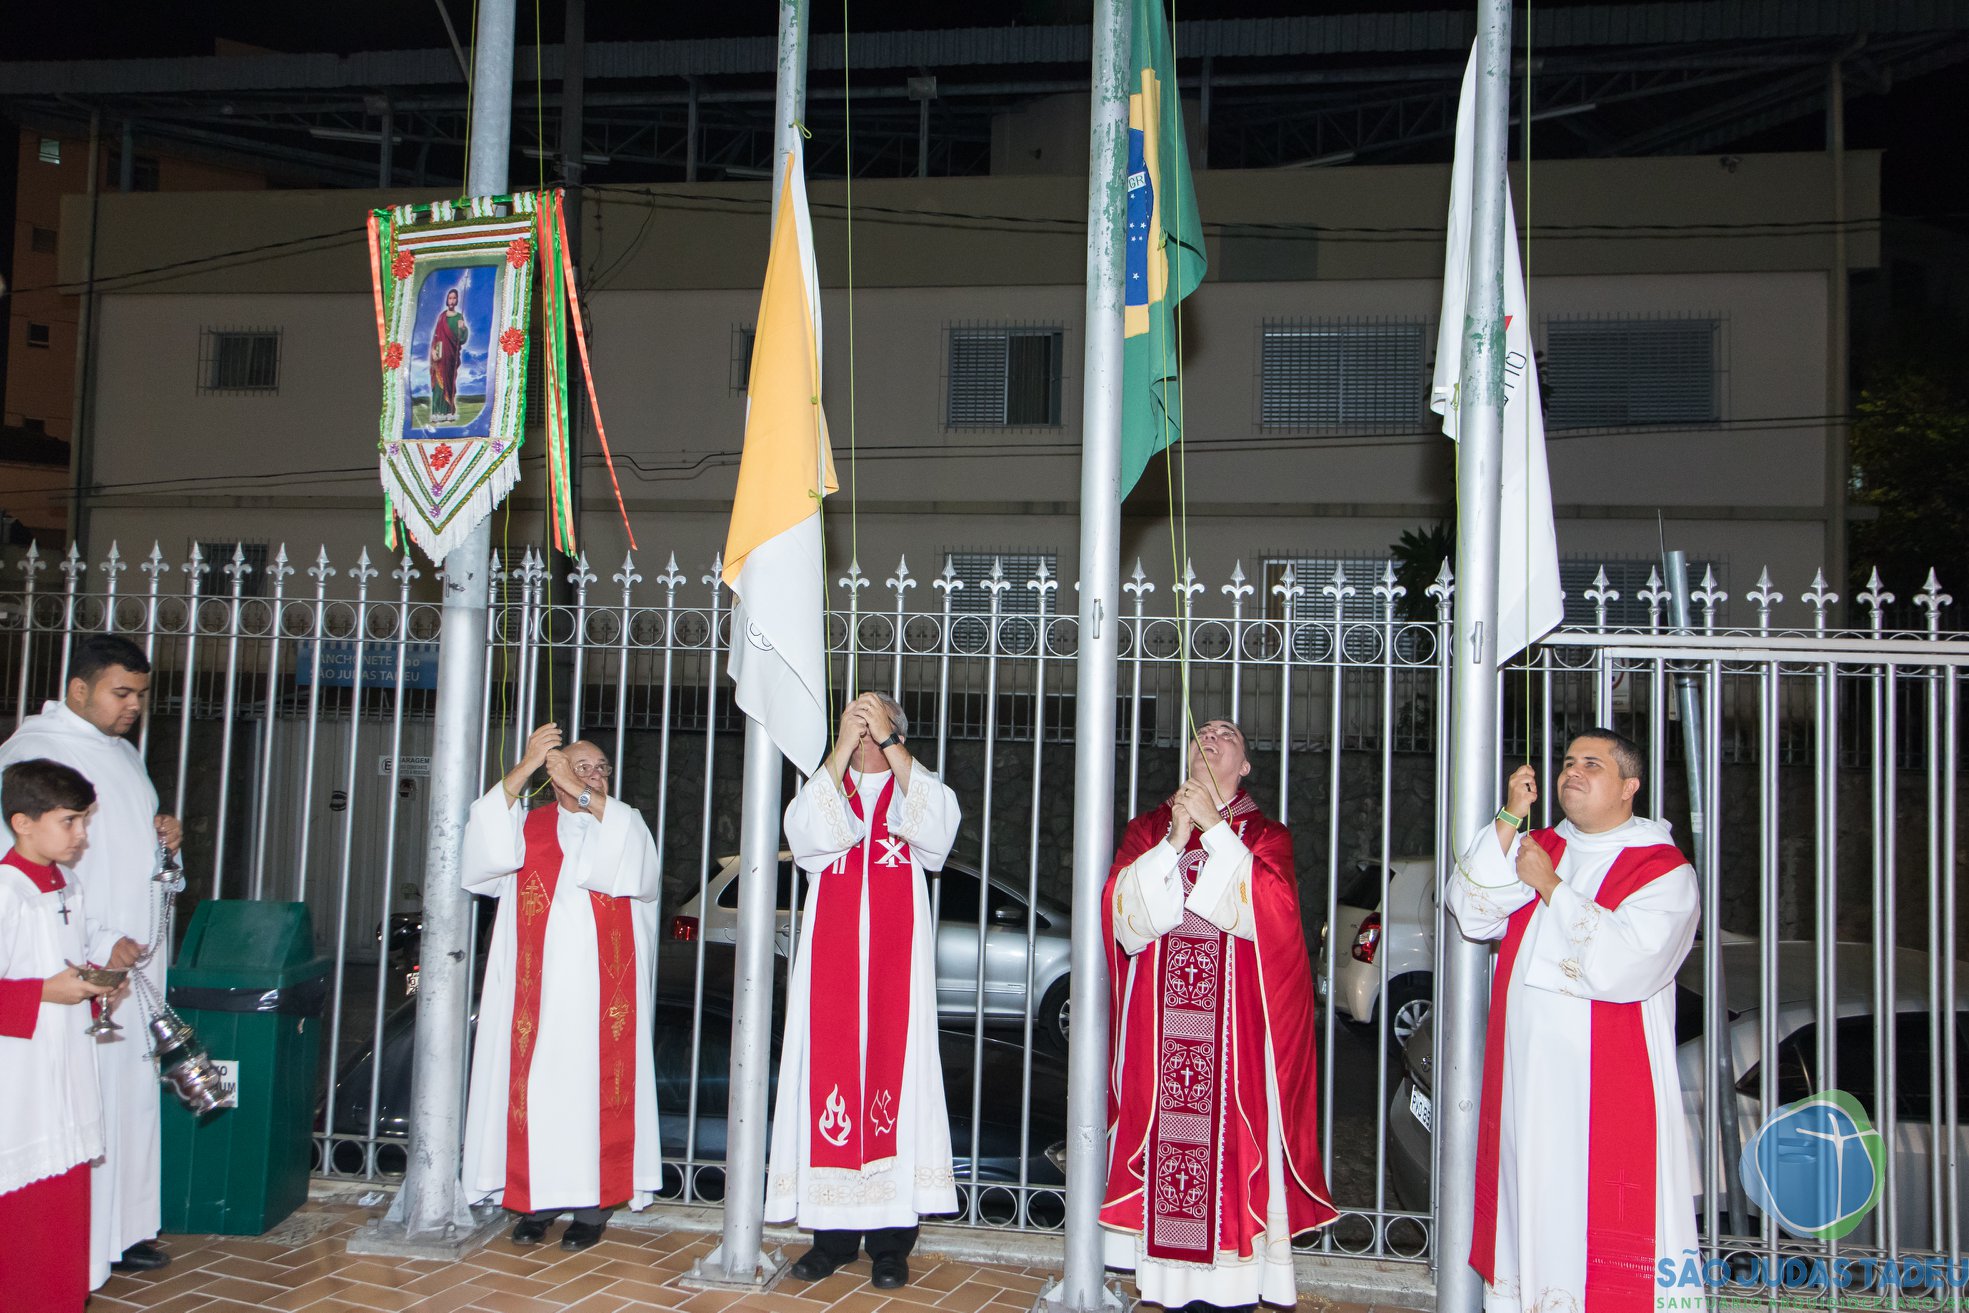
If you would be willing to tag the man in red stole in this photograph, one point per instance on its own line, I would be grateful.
(448, 337)
(861, 1135)
(1584, 1178)
(562, 1110)
(1213, 1104)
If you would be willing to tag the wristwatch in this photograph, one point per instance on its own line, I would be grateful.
(890, 742)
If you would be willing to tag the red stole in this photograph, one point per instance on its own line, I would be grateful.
(849, 1071)
(615, 945)
(1263, 1008)
(1620, 1155)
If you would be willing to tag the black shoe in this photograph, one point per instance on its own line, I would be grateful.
(531, 1230)
(889, 1272)
(814, 1266)
(582, 1235)
(144, 1256)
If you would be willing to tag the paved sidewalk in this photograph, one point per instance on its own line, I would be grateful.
(303, 1265)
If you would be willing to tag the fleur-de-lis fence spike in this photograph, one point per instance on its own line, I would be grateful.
(404, 574)
(363, 571)
(1237, 590)
(1288, 589)
(153, 565)
(900, 580)
(1600, 593)
(237, 569)
(1043, 583)
(1654, 593)
(948, 581)
(1188, 589)
(113, 565)
(1876, 597)
(717, 576)
(581, 576)
(1138, 584)
(854, 581)
(321, 571)
(1932, 599)
(1763, 597)
(1389, 592)
(1443, 591)
(32, 564)
(195, 568)
(996, 583)
(1819, 596)
(1709, 597)
(72, 565)
(1339, 590)
(628, 576)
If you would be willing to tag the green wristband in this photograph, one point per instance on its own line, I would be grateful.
(1517, 823)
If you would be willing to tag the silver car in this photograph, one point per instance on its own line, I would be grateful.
(955, 893)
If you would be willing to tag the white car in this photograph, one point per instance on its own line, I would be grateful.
(1402, 934)
(1008, 967)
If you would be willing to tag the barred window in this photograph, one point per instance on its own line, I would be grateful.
(974, 568)
(218, 555)
(741, 376)
(1333, 373)
(1628, 577)
(1312, 573)
(38, 335)
(239, 360)
(1003, 378)
(1611, 373)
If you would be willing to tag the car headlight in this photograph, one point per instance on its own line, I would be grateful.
(1056, 1154)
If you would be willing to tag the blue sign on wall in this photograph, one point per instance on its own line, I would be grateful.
(379, 664)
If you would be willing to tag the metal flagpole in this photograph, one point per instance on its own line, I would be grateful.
(1465, 1003)
(738, 1259)
(1082, 1288)
(431, 1216)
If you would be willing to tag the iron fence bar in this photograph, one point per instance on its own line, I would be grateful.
(1140, 587)
(995, 585)
(320, 572)
(72, 566)
(1886, 1034)
(1767, 902)
(111, 567)
(237, 571)
(581, 576)
(1237, 590)
(1951, 1079)
(154, 567)
(278, 572)
(715, 579)
(31, 565)
(949, 585)
(194, 572)
(1289, 591)
(1044, 585)
(1339, 591)
(392, 808)
(362, 574)
(1388, 591)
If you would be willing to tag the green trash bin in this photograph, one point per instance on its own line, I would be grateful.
(250, 985)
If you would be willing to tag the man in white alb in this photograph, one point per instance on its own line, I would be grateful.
(1583, 1168)
(562, 1110)
(861, 1135)
(108, 684)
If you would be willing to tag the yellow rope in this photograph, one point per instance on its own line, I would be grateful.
(848, 208)
(1531, 396)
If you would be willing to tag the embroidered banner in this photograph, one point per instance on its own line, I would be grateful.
(455, 295)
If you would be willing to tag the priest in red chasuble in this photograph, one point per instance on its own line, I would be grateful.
(1584, 1171)
(562, 1110)
(861, 1134)
(1213, 1143)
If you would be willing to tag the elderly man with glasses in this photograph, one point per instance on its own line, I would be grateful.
(562, 1111)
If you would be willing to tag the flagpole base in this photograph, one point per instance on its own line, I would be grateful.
(709, 1273)
(1053, 1299)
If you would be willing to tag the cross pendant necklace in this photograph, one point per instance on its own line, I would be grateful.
(62, 894)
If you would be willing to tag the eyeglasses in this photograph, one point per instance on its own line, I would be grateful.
(601, 770)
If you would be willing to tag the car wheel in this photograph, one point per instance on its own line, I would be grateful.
(1412, 1005)
(1053, 1015)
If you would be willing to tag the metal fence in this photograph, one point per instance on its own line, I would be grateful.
(290, 726)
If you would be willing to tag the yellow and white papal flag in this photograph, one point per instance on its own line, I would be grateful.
(1530, 603)
(773, 555)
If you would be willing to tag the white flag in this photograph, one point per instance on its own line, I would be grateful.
(773, 557)
(1530, 603)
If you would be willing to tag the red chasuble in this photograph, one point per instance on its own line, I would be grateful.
(615, 943)
(1620, 1158)
(854, 1082)
(1187, 1114)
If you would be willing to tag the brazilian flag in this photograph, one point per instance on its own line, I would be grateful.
(1164, 261)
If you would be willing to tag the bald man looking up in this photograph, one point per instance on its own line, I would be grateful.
(562, 1111)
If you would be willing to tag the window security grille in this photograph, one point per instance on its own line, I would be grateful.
(218, 555)
(974, 567)
(1003, 378)
(1313, 573)
(1610, 373)
(1329, 373)
(239, 360)
(741, 378)
(37, 335)
(1629, 577)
